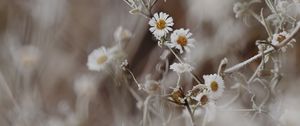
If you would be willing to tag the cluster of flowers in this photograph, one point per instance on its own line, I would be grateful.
(201, 96)
(161, 24)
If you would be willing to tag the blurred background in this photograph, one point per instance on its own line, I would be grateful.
(44, 45)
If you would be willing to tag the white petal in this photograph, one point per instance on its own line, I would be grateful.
(161, 15)
(152, 29)
(156, 16)
(169, 28)
(152, 22)
(169, 20)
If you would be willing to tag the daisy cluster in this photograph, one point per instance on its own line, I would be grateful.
(161, 27)
(201, 96)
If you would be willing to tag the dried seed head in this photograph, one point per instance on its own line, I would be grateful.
(280, 38)
(177, 96)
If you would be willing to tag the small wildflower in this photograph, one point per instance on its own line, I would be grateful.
(98, 59)
(215, 83)
(278, 38)
(181, 67)
(181, 39)
(161, 24)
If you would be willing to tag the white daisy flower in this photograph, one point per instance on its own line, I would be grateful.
(278, 38)
(181, 67)
(215, 84)
(161, 24)
(98, 59)
(181, 39)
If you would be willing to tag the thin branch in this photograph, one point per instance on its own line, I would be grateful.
(178, 81)
(256, 71)
(146, 102)
(135, 80)
(257, 56)
(190, 111)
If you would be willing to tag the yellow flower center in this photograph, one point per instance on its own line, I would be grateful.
(280, 38)
(203, 100)
(182, 40)
(102, 59)
(161, 24)
(214, 86)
